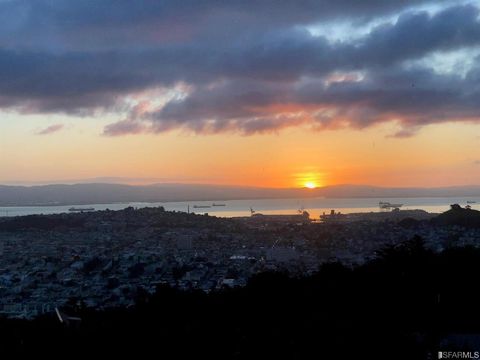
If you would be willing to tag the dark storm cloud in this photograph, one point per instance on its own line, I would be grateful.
(54, 19)
(414, 35)
(249, 66)
(415, 96)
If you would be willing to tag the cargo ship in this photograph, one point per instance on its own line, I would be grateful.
(387, 205)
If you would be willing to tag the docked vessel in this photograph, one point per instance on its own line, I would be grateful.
(201, 206)
(74, 209)
(387, 205)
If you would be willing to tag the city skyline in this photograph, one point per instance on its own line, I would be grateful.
(304, 95)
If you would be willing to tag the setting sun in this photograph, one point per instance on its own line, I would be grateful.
(311, 178)
(310, 185)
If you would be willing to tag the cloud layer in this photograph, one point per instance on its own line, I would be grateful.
(248, 67)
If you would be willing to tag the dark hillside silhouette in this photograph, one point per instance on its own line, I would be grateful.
(459, 216)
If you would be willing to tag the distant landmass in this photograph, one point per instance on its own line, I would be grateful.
(105, 193)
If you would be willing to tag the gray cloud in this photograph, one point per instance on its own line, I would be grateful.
(124, 127)
(414, 96)
(64, 24)
(68, 81)
(50, 129)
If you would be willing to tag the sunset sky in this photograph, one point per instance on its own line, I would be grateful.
(262, 93)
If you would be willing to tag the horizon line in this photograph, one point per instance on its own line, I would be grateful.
(28, 184)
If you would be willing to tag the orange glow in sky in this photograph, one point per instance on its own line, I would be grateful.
(293, 158)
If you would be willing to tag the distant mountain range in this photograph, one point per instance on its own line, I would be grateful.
(104, 193)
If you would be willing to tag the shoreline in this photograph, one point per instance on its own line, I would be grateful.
(237, 199)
